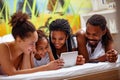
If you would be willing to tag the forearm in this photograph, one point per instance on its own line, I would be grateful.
(102, 58)
(99, 59)
(51, 57)
(25, 71)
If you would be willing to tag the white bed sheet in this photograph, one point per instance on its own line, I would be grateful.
(81, 70)
(6, 38)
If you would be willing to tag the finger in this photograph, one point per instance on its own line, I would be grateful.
(80, 56)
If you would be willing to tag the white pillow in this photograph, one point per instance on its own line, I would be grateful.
(6, 38)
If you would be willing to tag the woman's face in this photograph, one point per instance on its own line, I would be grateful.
(93, 34)
(58, 39)
(28, 44)
(41, 48)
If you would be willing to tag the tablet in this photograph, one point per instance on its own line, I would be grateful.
(69, 58)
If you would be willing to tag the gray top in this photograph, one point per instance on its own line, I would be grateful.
(43, 61)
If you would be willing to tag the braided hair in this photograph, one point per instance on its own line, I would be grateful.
(60, 25)
(21, 26)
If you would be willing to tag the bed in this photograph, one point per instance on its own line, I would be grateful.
(92, 71)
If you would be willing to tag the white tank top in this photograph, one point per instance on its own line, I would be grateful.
(99, 51)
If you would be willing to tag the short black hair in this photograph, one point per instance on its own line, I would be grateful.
(97, 20)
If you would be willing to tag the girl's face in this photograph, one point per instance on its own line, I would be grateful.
(28, 44)
(93, 34)
(41, 48)
(58, 39)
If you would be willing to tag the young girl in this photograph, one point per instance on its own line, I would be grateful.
(61, 39)
(43, 54)
(13, 54)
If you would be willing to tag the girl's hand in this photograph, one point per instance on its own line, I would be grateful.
(56, 64)
(80, 60)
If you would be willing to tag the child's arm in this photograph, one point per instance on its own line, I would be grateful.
(50, 53)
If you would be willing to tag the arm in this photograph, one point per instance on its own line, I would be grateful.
(80, 35)
(9, 68)
(110, 54)
(50, 53)
(26, 62)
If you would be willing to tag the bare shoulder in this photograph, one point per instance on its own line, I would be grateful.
(80, 33)
(3, 52)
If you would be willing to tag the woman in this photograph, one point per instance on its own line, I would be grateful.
(13, 54)
(61, 39)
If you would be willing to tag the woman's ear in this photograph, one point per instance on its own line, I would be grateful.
(18, 39)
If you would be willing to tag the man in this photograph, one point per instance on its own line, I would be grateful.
(96, 44)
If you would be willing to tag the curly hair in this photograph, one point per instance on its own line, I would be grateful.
(21, 26)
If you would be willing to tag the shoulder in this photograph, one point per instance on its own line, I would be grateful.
(80, 33)
(3, 47)
(3, 52)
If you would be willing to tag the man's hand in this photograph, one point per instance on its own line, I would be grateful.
(112, 55)
(80, 60)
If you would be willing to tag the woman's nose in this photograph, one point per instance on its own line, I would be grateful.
(34, 49)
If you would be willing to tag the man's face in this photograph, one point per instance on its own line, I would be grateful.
(93, 34)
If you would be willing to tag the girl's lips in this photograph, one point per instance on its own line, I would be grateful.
(56, 45)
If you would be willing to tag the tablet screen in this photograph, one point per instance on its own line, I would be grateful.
(69, 58)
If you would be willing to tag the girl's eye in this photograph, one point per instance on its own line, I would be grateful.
(61, 39)
(40, 48)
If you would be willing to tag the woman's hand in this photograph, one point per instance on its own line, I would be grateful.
(80, 60)
(112, 55)
(56, 64)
